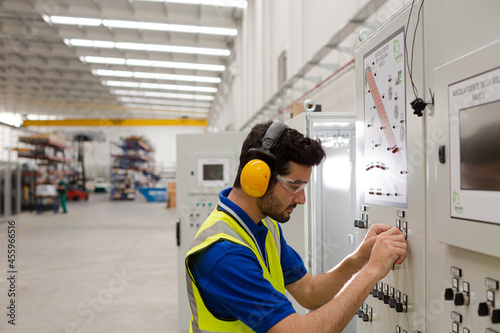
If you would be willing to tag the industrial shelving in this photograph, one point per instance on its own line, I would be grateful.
(52, 157)
(132, 166)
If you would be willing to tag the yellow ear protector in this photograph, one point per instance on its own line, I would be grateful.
(256, 174)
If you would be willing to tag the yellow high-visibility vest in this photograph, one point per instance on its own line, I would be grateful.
(221, 226)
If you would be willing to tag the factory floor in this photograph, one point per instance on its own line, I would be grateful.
(105, 266)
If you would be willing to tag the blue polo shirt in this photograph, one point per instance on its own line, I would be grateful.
(231, 280)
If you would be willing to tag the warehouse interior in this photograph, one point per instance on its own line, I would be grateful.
(127, 102)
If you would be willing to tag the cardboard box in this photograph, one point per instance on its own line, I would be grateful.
(54, 137)
(171, 195)
(296, 109)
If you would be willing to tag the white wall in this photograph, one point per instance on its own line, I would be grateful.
(300, 28)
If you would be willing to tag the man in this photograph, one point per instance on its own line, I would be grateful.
(239, 264)
(62, 190)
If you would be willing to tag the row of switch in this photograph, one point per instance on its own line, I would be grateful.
(365, 312)
(399, 330)
(400, 224)
(395, 300)
(462, 298)
(484, 307)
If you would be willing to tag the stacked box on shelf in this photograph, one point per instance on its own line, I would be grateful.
(132, 166)
(52, 157)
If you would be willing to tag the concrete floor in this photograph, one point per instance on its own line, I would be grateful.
(102, 267)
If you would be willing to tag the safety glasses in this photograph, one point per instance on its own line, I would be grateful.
(293, 186)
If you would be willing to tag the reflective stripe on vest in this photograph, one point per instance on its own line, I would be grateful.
(222, 226)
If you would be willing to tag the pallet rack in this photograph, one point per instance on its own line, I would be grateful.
(132, 166)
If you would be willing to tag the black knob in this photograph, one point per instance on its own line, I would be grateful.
(448, 294)
(386, 299)
(495, 316)
(374, 292)
(400, 307)
(360, 313)
(366, 317)
(459, 299)
(356, 223)
(380, 295)
(483, 310)
(392, 303)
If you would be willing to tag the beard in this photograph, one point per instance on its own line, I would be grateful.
(269, 205)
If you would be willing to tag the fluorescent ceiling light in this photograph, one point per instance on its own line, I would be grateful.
(41, 117)
(161, 94)
(151, 63)
(218, 3)
(122, 24)
(140, 100)
(162, 108)
(146, 47)
(156, 76)
(149, 85)
(92, 22)
(169, 27)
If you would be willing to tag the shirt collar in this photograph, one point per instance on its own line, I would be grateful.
(254, 228)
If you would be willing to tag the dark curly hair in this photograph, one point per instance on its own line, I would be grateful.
(292, 146)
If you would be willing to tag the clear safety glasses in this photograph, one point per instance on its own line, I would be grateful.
(293, 186)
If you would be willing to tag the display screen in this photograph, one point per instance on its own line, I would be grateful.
(213, 172)
(480, 147)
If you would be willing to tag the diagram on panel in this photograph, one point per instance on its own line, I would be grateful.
(385, 180)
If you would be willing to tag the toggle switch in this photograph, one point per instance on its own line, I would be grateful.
(363, 222)
(380, 292)
(483, 309)
(448, 294)
(401, 307)
(367, 316)
(495, 316)
(361, 310)
(402, 304)
(392, 301)
(385, 298)
(463, 297)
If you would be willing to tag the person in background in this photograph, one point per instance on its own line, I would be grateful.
(240, 265)
(62, 190)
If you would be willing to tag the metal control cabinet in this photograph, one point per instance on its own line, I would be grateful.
(390, 172)
(452, 156)
(206, 164)
(464, 194)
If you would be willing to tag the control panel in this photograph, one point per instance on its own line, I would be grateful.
(444, 167)
(390, 172)
(463, 248)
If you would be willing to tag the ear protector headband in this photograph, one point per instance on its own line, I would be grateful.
(256, 174)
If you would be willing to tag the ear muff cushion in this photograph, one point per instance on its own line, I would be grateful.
(255, 178)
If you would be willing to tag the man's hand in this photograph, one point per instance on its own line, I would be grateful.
(390, 248)
(363, 252)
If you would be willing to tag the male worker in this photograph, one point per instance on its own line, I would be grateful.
(240, 264)
(62, 190)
